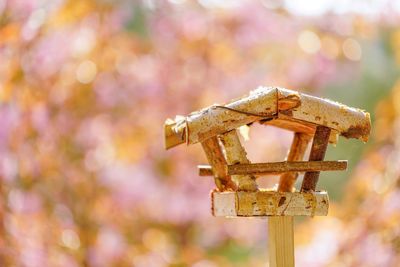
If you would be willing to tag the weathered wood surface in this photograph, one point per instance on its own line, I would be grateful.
(281, 241)
(269, 203)
(349, 122)
(299, 127)
(216, 120)
(318, 150)
(215, 157)
(296, 153)
(174, 132)
(300, 111)
(278, 167)
(235, 154)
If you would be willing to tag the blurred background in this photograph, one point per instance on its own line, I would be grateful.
(85, 87)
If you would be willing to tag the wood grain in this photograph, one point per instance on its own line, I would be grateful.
(269, 203)
(272, 105)
(235, 154)
(296, 153)
(318, 150)
(281, 241)
(278, 167)
(215, 157)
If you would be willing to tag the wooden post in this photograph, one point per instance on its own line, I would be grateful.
(280, 241)
(318, 149)
(281, 228)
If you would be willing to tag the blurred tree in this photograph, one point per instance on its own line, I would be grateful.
(85, 85)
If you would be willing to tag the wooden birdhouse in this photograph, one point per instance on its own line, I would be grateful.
(237, 193)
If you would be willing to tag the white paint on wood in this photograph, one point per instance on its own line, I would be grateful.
(226, 204)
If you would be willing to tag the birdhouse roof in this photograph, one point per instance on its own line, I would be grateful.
(279, 107)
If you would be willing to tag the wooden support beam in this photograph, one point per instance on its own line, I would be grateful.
(235, 154)
(296, 153)
(278, 168)
(317, 153)
(288, 109)
(269, 203)
(215, 157)
(284, 167)
(281, 229)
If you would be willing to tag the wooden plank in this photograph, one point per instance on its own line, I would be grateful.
(281, 241)
(235, 154)
(296, 153)
(216, 158)
(349, 122)
(278, 167)
(218, 119)
(205, 170)
(299, 127)
(223, 205)
(317, 153)
(269, 203)
(264, 104)
(282, 167)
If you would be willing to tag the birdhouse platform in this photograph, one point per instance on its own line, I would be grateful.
(269, 203)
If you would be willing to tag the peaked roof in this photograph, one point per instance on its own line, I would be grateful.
(276, 106)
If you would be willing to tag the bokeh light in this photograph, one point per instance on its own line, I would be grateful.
(352, 49)
(309, 42)
(86, 72)
(85, 87)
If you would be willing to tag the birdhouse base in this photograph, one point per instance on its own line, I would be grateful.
(269, 203)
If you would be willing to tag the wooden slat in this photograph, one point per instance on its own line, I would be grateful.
(317, 153)
(278, 167)
(287, 123)
(215, 157)
(235, 154)
(264, 104)
(269, 203)
(348, 122)
(215, 120)
(296, 153)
